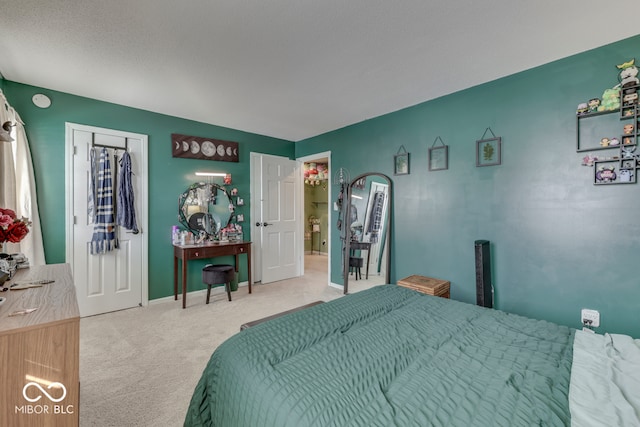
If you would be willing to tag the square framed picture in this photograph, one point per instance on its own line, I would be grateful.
(439, 158)
(489, 152)
(401, 164)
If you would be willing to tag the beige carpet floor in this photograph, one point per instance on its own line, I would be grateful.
(138, 367)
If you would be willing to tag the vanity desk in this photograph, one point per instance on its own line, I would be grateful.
(203, 251)
(361, 246)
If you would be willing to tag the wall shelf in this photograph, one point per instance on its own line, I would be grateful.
(622, 168)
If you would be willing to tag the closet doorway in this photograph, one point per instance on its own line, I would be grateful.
(116, 279)
(317, 212)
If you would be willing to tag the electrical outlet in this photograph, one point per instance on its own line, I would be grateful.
(590, 317)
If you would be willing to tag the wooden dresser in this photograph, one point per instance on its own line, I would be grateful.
(40, 351)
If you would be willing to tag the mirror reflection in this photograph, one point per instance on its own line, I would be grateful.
(205, 209)
(367, 222)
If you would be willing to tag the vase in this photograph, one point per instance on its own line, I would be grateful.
(6, 264)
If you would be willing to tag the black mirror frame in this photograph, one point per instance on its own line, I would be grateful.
(184, 220)
(347, 239)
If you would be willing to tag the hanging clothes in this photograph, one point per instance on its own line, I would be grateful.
(91, 197)
(126, 212)
(104, 231)
(375, 216)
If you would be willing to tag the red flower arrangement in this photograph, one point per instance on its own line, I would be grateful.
(12, 229)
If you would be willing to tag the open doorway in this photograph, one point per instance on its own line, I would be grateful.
(316, 212)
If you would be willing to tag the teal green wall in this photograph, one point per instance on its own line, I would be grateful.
(558, 242)
(168, 176)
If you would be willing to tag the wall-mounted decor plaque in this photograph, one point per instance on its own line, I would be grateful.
(401, 162)
(438, 156)
(196, 147)
(489, 150)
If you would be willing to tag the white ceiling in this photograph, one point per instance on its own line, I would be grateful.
(291, 69)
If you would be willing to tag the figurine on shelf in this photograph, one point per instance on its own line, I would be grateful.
(234, 192)
(583, 108)
(628, 129)
(629, 112)
(606, 174)
(628, 152)
(610, 99)
(630, 99)
(613, 142)
(626, 175)
(627, 140)
(628, 74)
(604, 142)
(227, 179)
(588, 160)
(594, 103)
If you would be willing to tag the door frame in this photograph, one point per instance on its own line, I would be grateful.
(310, 158)
(142, 217)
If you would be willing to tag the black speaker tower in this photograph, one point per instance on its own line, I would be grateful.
(484, 288)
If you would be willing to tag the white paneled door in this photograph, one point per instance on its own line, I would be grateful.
(117, 279)
(279, 219)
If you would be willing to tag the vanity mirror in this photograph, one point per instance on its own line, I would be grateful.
(205, 209)
(367, 229)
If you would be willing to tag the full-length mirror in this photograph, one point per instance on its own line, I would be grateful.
(367, 230)
(205, 209)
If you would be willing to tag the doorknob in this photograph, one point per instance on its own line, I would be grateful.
(258, 224)
(266, 224)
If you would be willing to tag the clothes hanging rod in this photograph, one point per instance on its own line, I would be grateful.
(125, 148)
(93, 144)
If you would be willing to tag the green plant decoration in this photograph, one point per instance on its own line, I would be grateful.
(488, 151)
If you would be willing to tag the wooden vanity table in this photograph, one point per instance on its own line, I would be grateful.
(203, 251)
(40, 350)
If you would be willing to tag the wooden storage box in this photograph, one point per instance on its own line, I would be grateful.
(426, 285)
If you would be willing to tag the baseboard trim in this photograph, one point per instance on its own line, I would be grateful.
(335, 285)
(198, 293)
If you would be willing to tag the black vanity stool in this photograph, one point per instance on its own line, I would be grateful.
(218, 274)
(355, 265)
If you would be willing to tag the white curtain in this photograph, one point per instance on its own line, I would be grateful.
(17, 184)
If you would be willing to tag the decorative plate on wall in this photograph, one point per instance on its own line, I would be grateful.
(196, 147)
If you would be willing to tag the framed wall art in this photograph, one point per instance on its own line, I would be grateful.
(489, 150)
(438, 156)
(401, 162)
(196, 147)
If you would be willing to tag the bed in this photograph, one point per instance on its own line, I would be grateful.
(389, 356)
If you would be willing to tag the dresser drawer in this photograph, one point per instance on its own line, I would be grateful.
(215, 251)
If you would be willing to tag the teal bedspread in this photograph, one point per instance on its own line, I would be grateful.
(389, 356)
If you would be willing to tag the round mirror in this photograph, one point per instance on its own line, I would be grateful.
(205, 209)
